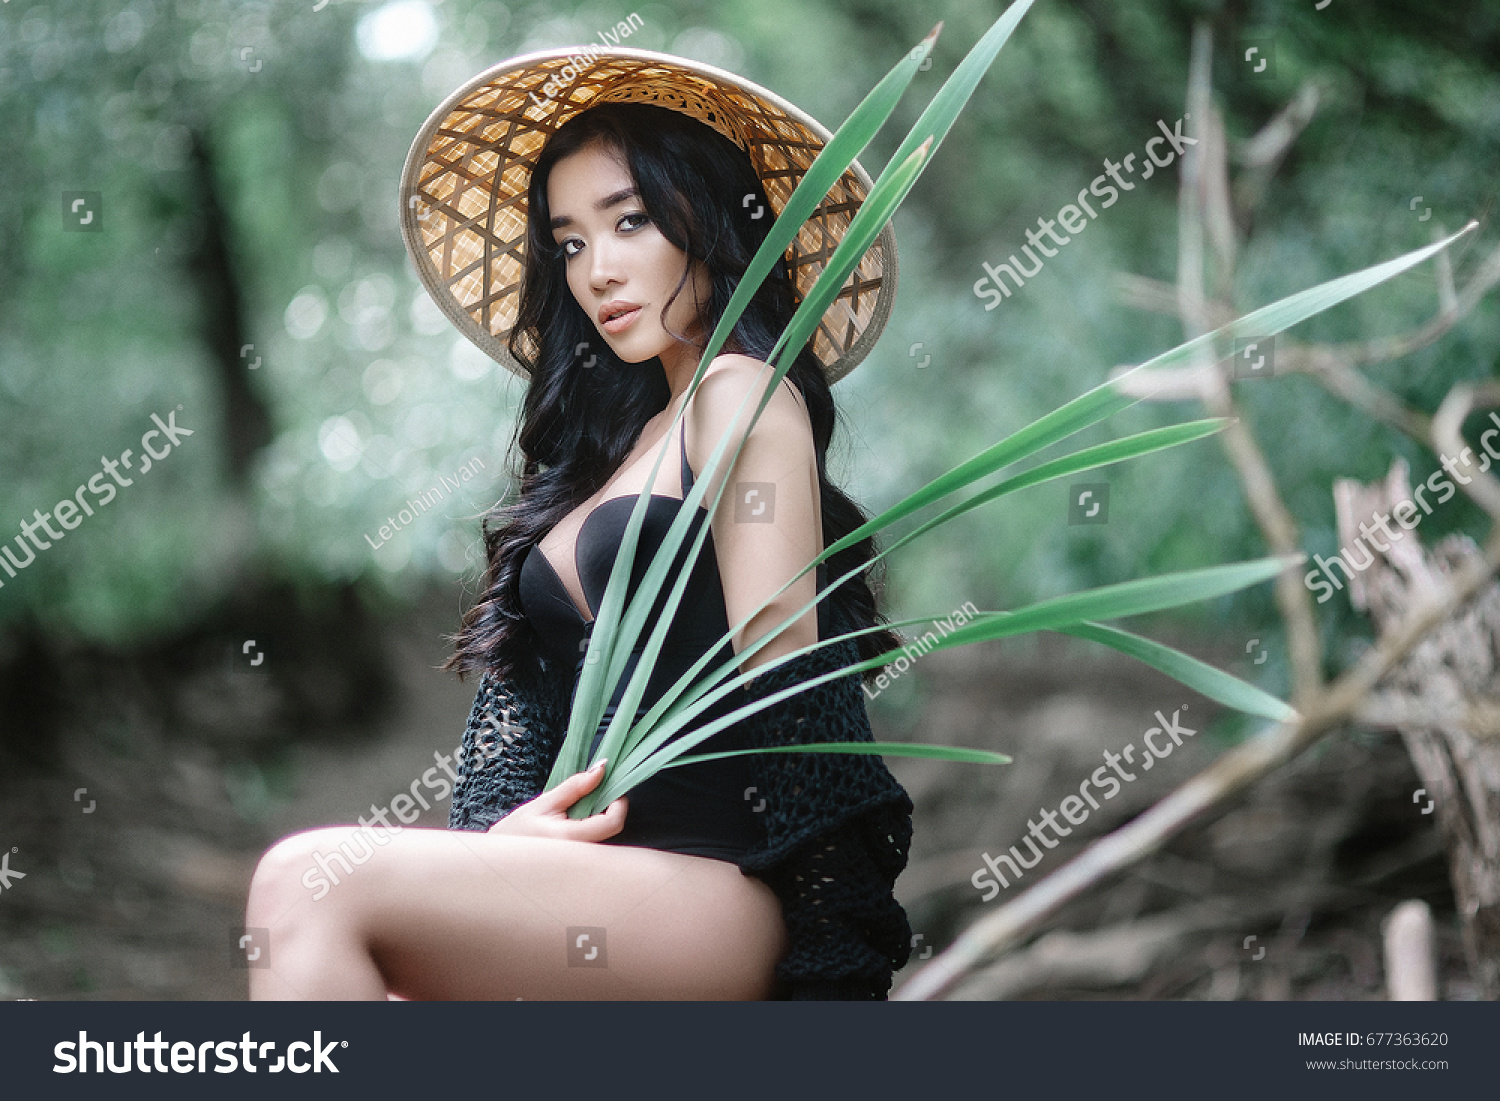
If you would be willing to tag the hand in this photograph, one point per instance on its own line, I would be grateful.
(547, 814)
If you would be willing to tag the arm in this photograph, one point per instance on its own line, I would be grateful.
(768, 525)
(838, 827)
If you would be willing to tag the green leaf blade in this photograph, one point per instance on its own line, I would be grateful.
(1201, 677)
(878, 749)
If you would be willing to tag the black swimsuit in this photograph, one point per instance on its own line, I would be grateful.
(703, 809)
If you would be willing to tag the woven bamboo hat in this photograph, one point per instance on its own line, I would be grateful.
(463, 188)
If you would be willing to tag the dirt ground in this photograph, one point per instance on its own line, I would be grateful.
(138, 832)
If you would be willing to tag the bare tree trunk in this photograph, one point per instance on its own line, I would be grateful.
(1444, 698)
(247, 420)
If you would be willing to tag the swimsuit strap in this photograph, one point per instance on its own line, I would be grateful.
(687, 471)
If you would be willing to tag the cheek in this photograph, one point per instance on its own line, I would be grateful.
(695, 293)
(666, 262)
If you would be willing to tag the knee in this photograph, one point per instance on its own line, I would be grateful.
(292, 871)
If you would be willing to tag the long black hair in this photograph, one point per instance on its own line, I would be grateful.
(584, 408)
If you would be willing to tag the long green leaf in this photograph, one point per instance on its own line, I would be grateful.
(1197, 675)
(1127, 598)
(1296, 308)
(932, 127)
(882, 749)
(1120, 600)
(938, 118)
(1127, 447)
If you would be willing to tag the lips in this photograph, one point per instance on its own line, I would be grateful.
(616, 317)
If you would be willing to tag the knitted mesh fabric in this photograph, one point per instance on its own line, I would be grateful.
(807, 793)
(846, 932)
(512, 738)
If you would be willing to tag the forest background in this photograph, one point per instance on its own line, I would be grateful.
(198, 217)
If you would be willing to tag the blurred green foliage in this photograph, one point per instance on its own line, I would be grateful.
(276, 131)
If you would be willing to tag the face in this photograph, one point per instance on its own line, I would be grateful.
(620, 268)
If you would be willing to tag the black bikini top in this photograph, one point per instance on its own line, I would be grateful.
(701, 616)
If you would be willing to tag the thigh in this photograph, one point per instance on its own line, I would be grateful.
(454, 914)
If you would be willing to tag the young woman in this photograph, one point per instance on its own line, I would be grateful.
(743, 878)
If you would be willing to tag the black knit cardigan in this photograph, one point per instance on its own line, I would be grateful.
(838, 826)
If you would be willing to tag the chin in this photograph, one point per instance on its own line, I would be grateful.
(635, 357)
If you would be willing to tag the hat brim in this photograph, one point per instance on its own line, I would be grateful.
(464, 184)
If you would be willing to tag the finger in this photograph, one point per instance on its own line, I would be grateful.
(565, 794)
(612, 821)
(576, 786)
(597, 827)
(591, 776)
(587, 780)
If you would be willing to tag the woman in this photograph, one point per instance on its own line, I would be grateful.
(747, 877)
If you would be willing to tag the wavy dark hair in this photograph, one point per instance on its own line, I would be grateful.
(577, 425)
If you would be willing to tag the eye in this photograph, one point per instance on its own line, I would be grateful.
(563, 247)
(624, 218)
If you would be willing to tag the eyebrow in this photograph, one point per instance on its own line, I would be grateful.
(603, 204)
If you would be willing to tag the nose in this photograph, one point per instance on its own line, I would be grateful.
(604, 265)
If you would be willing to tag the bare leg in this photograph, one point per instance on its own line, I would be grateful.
(449, 914)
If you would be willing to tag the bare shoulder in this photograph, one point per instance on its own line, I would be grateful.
(727, 381)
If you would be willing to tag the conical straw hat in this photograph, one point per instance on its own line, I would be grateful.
(463, 189)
